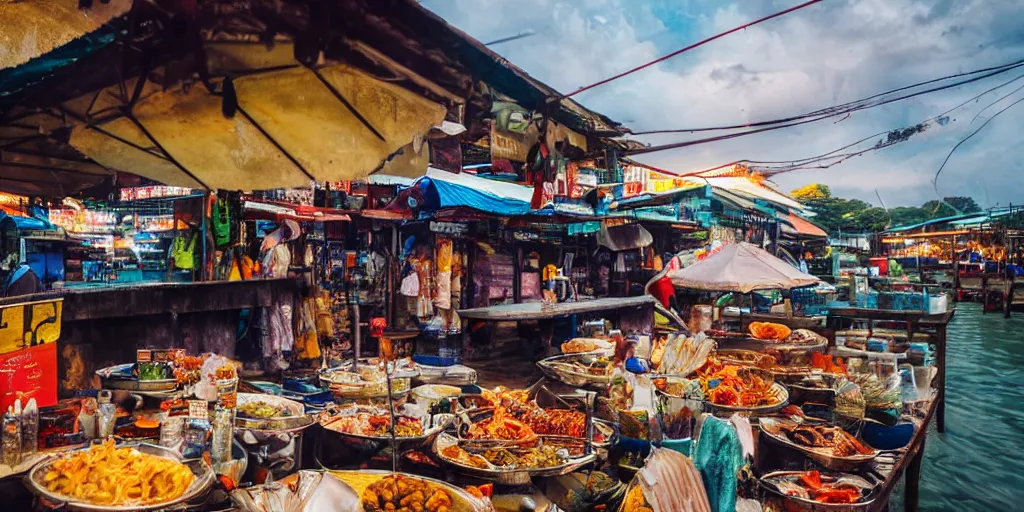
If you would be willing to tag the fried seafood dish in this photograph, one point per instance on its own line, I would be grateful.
(736, 386)
(769, 331)
(404, 494)
(373, 424)
(839, 489)
(825, 439)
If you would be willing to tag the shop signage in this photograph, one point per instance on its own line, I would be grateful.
(28, 351)
(29, 324)
(634, 180)
(579, 228)
(512, 146)
(586, 180)
(153, 192)
(573, 207)
(29, 373)
(449, 228)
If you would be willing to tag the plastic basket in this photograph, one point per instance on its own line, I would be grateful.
(437, 360)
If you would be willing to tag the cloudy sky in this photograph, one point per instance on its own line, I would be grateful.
(820, 56)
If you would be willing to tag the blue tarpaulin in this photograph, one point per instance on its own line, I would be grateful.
(26, 222)
(442, 189)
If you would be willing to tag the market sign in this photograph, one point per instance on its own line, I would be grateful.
(29, 324)
(449, 228)
(153, 192)
(634, 180)
(510, 145)
(28, 352)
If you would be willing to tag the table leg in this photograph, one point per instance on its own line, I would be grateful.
(913, 481)
(940, 412)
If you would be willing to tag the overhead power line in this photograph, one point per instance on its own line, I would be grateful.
(935, 181)
(853, 105)
(801, 121)
(692, 46)
(836, 156)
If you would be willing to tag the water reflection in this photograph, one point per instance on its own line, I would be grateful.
(978, 464)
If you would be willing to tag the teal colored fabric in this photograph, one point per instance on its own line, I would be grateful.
(719, 456)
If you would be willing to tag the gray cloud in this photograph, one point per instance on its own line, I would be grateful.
(820, 56)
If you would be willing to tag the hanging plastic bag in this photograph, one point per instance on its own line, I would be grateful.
(410, 285)
(443, 297)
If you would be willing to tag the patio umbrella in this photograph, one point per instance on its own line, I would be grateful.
(740, 268)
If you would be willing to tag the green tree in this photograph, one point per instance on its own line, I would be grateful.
(963, 203)
(873, 219)
(908, 215)
(936, 209)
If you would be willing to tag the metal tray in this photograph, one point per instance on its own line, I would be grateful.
(814, 506)
(553, 368)
(509, 476)
(780, 391)
(441, 422)
(204, 478)
(297, 420)
(347, 385)
(827, 460)
(119, 377)
(462, 501)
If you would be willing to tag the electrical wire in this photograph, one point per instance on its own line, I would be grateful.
(935, 181)
(771, 168)
(676, 145)
(856, 105)
(803, 121)
(804, 163)
(690, 47)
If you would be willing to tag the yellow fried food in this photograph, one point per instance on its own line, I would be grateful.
(635, 501)
(403, 493)
(106, 475)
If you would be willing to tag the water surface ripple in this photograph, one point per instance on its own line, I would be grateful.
(978, 464)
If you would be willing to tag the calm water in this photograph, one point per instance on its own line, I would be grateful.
(978, 464)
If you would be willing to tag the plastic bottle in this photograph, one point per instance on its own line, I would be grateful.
(11, 438)
(30, 428)
(107, 415)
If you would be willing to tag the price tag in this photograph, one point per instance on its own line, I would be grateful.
(198, 409)
(143, 356)
(166, 355)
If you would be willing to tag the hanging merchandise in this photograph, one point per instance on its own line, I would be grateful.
(221, 223)
(411, 285)
(443, 295)
(246, 267)
(307, 346)
(279, 336)
(183, 251)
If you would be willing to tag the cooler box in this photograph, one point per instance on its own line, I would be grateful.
(882, 264)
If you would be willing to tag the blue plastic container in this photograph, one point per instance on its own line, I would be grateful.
(882, 437)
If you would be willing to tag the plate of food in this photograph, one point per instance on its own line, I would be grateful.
(769, 331)
(828, 445)
(367, 381)
(382, 490)
(130, 476)
(257, 411)
(149, 376)
(817, 491)
(730, 388)
(584, 345)
(590, 369)
(372, 425)
(510, 464)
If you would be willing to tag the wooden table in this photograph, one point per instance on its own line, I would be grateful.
(541, 311)
(909, 463)
(915, 320)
